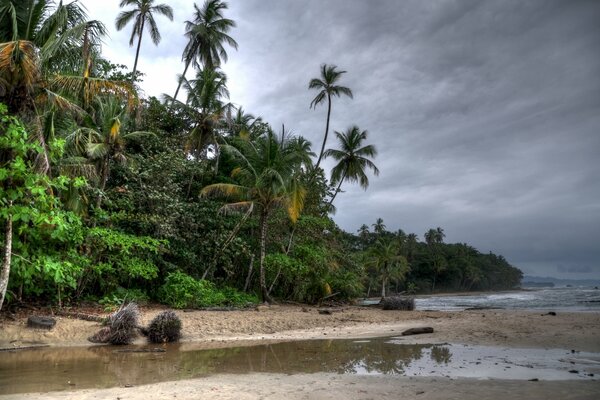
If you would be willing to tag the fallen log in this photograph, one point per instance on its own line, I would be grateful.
(417, 331)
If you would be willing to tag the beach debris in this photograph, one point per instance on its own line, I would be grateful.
(165, 327)
(573, 371)
(121, 326)
(418, 331)
(550, 313)
(398, 303)
(534, 380)
(40, 322)
(325, 311)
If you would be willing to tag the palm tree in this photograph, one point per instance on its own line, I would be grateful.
(379, 227)
(433, 238)
(207, 34)
(267, 177)
(45, 62)
(352, 159)
(104, 141)
(327, 87)
(385, 257)
(142, 13)
(204, 103)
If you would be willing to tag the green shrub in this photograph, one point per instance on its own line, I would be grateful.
(183, 291)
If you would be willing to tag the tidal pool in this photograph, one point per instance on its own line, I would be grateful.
(53, 369)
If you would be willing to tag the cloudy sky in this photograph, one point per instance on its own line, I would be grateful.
(486, 114)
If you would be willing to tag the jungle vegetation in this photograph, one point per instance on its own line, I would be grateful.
(189, 201)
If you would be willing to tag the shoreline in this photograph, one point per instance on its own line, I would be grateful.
(496, 327)
(215, 329)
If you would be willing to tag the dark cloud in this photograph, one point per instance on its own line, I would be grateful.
(486, 114)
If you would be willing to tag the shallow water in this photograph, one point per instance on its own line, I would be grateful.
(53, 369)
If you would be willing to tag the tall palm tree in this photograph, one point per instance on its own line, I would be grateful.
(385, 257)
(352, 159)
(327, 87)
(143, 12)
(266, 177)
(433, 238)
(207, 34)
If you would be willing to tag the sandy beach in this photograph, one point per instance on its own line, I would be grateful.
(515, 329)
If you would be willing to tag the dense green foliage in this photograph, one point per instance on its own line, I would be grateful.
(192, 203)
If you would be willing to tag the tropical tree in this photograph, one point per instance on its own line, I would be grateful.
(379, 227)
(327, 87)
(205, 105)
(105, 140)
(266, 177)
(384, 256)
(433, 238)
(143, 12)
(207, 35)
(353, 159)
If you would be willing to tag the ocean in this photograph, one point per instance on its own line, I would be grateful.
(564, 298)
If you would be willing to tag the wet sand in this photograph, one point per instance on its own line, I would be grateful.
(515, 329)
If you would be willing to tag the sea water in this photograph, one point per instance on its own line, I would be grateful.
(568, 298)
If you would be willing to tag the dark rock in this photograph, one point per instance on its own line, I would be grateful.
(398, 303)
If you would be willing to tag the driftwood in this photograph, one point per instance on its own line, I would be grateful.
(417, 331)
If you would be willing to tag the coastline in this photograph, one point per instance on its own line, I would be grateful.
(214, 329)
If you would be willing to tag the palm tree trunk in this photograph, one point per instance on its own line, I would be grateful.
(249, 276)
(137, 52)
(263, 241)
(187, 64)
(103, 182)
(5, 273)
(326, 132)
(337, 190)
(383, 287)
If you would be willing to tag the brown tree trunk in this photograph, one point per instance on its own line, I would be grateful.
(326, 132)
(249, 276)
(137, 52)
(5, 273)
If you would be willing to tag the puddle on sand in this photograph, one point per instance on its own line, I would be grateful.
(52, 369)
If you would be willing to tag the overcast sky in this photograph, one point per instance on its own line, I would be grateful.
(486, 114)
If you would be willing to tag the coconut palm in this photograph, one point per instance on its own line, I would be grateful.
(204, 103)
(207, 34)
(379, 227)
(433, 238)
(267, 178)
(327, 87)
(384, 256)
(353, 159)
(104, 141)
(45, 64)
(143, 12)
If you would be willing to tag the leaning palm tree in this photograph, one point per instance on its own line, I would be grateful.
(143, 12)
(266, 177)
(327, 86)
(207, 34)
(353, 159)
